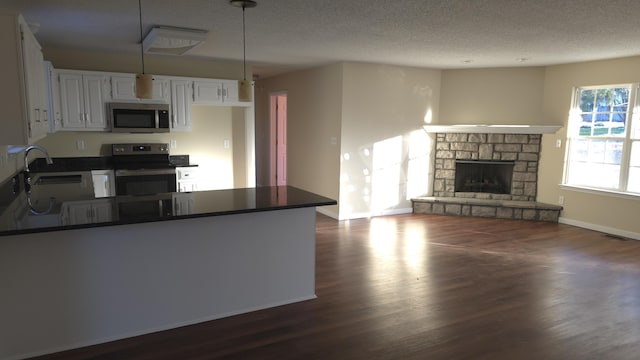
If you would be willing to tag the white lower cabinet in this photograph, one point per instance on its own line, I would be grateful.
(104, 184)
(87, 212)
(182, 203)
(187, 179)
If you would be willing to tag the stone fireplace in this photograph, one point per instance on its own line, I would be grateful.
(521, 150)
(487, 173)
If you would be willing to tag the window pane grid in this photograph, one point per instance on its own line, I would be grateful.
(599, 146)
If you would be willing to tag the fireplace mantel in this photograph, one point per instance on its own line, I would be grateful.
(493, 129)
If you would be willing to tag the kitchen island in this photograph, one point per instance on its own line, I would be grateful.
(216, 254)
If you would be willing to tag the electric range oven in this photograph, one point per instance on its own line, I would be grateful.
(143, 169)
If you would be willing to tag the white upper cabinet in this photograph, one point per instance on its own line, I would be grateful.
(123, 88)
(83, 97)
(181, 101)
(55, 109)
(23, 95)
(37, 103)
(215, 92)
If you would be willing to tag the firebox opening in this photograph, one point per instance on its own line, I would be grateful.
(484, 176)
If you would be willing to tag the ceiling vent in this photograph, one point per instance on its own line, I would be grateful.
(168, 40)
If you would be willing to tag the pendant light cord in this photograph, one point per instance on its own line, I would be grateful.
(141, 40)
(244, 49)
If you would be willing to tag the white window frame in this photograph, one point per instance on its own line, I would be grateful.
(631, 135)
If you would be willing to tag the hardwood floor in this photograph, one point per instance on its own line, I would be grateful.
(433, 287)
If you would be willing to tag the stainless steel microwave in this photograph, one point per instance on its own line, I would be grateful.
(139, 118)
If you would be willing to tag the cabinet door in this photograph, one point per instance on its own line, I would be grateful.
(181, 100)
(94, 101)
(76, 212)
(207, 92)
(123, 88)
(161, 90)
(37, 118)
(102, 210)
(182, 204)
(55, 110)
(230, 88)
(72, 101)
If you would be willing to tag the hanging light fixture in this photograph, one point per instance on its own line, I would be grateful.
(244, 87)
(144, 82)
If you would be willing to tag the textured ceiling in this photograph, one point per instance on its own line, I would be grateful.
(284, 35)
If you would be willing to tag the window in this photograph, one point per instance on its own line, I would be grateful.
(604, 138)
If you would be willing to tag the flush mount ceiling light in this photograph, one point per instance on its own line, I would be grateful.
(169, 40)
(244, 87)
(144, 82)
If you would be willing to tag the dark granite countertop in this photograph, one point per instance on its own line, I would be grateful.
(71, 204)
(63, 197)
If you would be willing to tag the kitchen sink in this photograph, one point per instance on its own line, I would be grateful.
(59, 179)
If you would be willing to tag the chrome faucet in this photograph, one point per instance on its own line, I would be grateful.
(26, 155)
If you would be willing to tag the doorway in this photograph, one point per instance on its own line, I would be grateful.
(278, 140)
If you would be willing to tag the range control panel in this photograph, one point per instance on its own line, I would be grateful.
(140, 149)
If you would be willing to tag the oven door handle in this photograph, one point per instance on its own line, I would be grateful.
(145, 172)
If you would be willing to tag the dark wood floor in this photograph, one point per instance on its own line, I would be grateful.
(434, 287)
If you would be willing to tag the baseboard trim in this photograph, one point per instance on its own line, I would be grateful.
(600, 228)
(328, 213)
(401, 211)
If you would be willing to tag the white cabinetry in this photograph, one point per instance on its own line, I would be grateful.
(186, 179)
(87, 212)
(55, 109)
(104, 184)
(22, 94)
(182, 203)
(215, 92)
(38, 117)
(181, 100)
(123, 88)
(83, 97)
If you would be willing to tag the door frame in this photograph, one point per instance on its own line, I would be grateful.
(273, 136)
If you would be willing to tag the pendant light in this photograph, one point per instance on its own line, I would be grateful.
(144, 82)
(244, 87)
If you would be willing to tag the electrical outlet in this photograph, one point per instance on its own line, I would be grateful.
(174, 144)
(558, 143)
(227, 143)
(80, 144)
(561, 200)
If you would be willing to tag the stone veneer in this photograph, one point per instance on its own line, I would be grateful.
(522, 149)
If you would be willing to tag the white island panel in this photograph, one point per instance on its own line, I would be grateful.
(66, 289)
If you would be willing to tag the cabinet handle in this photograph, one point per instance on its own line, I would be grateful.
(219, 90)
(37, 115)
(45, 114)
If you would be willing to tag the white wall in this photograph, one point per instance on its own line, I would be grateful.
(384, 150)
(503, 96)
